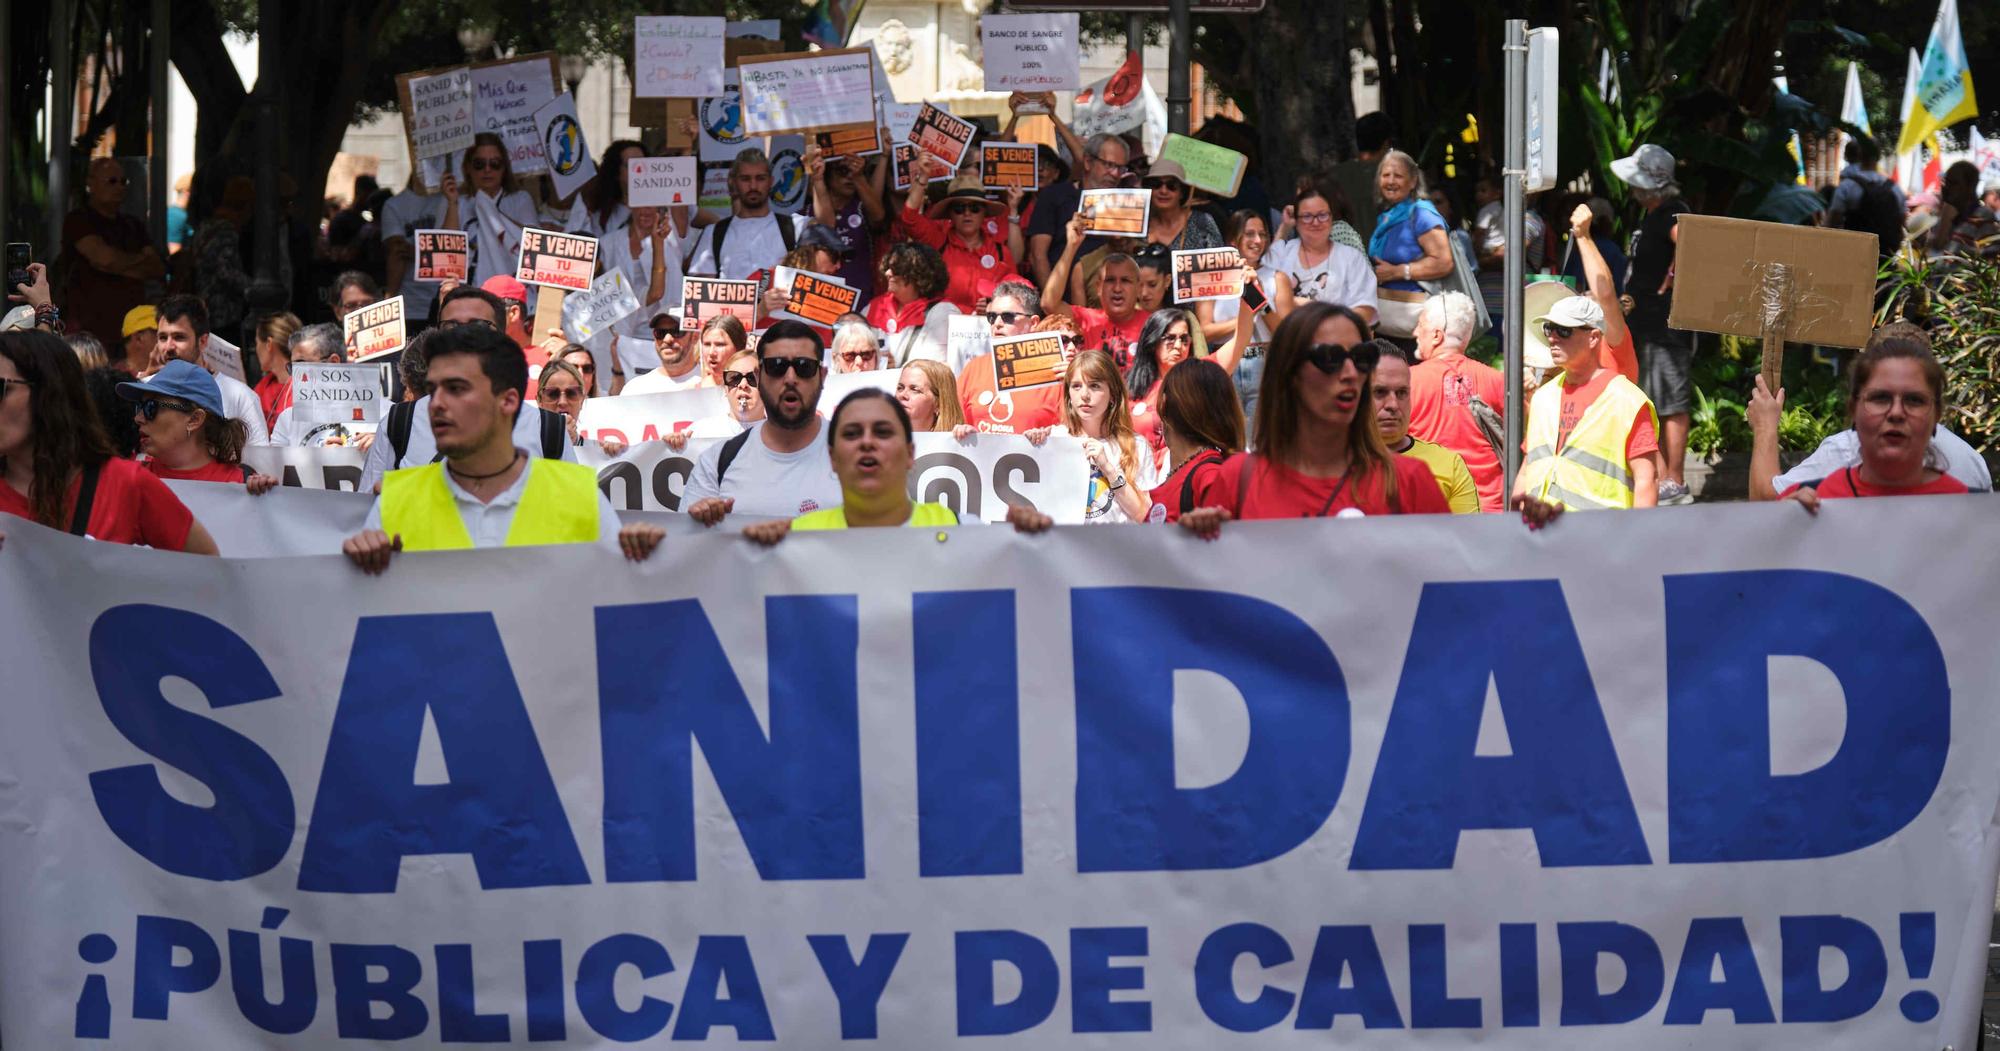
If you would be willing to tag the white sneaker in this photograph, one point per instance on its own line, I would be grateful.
(1673, 494)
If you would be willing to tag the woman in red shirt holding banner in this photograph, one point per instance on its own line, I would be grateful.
(1318, 454)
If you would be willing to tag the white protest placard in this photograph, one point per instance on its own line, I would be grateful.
(563, 145)
(662, 182)
(899, 118)
(609, 301)
(222, 357)
(351, 395)
(720, 121)
(635, 418)
(807, 91)
(676, 56)
(966, 337)
(1031, 53)
(505, 96)
(373, 330)
(791, 188)
(440, 112)
(556, 259)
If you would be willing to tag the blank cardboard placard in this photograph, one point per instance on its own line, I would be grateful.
(1726, 272)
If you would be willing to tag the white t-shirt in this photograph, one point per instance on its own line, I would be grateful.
(1344, 277)
(723, 426)
(1103, 508)
(929, 342)
(762, 482)
(658, 382)
(496, 254)
(402, 216)
(1227, 309)
(487, 522)
(422, 448)
(1955, 458)
(239, 402)
(632, 336)
(752, 245)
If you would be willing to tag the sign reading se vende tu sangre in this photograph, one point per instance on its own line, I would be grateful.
(557, 260)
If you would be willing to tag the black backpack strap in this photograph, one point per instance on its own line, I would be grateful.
(86, 497)
(1243, 484)
(729, 450)
(249, 472)
(401, 416)
(717, 232)
(1187, 480)
(788, 232)
(555, 435)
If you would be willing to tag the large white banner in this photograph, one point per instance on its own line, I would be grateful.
(1411, 783)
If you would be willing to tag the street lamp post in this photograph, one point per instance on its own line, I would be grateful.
(475, 39)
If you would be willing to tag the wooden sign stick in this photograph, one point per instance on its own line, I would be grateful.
(548, 310)
(1774, 293)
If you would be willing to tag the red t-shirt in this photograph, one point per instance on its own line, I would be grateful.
(1847, 482)
(131, 507)
(1644, 438)
(275, 397)
(215, 471)
(1011, 412)
(1277, 491)
(1624, 357)
(971, 270)
(885, 314)
(1096, 330)
(1441, 391)
(1197, 476)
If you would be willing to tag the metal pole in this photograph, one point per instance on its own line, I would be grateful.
(1135, 34)
(62, 118)
(1515, 171)
(157, 192)
(266, 294)
(1180, 59)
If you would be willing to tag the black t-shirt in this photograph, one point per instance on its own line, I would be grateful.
(1054, 207)
(1652, 255)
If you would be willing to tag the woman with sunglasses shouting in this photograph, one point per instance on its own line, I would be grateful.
(980, 238)
(495, 214)
(1319, 453)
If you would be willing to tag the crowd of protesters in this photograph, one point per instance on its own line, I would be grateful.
(1342, 383)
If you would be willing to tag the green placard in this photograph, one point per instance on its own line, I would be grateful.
(1217, 169)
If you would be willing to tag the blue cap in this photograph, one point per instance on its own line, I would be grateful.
(181, 380)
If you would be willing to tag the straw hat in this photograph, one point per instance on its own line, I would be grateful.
(965, 187)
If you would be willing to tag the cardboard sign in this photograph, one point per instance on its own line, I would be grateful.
(907, 162)
(1031, 52)
(373, 330)
(563, 145)
(437, 111)
(1031, 360)
(1730, 274)
(808, 91)
(442, 255)
(941, 135)
(505, 96)
(1217, 169)
(222, 357)
(661, 182)
(1009, 166)
(351, 395)
(818, 300)
(704, 299)
(1207, 273)
(1116, 213)
(849, 142)
(556, 259)
(677, 57)
(609, 301)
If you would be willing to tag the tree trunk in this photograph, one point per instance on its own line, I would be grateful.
(1304, 89)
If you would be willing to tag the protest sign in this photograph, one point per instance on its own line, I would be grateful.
(941, 135)
(1031, 53)
(676, 56)
(563, 145)
(1116, 213)
(556, 259)
(714, 187)
(705, 298)
(222, 357)
(661, 182)
(437, 111)
(609, 301)
(1217, 169)
(373, 330)
(1207, 273)
(909, 161)
(814, 299)
(1727, 794)
(857, 141)
(807, 91)
(1009, 166)
(721, 123)
(505, 95)
(635, 418)
(1122, 102)
(966, 337)
(441, 255)
(1034, 359)
(351, 395)
(760, 28)
(899, 118)
(790, 186)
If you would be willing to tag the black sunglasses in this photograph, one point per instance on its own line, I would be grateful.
(965, 209)
(150, 408)
(1004, 317)
(666, 333)
(1551, 330)
(733, 378)
(485, 165)
(1329, 357)
(584, 367)
(775, 368)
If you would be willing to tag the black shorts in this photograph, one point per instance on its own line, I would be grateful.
(1666, 365)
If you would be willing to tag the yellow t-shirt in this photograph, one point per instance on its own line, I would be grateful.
(1451, 474)
(921, 516)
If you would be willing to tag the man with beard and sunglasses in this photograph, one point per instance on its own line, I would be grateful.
(1593, 440)
(779, 466)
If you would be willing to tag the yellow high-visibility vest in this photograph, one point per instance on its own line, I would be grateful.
(921, 515)
(1589, 472)
(558, 506)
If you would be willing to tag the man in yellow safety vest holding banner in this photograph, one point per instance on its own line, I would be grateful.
(483, 491)
(1593, 440)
